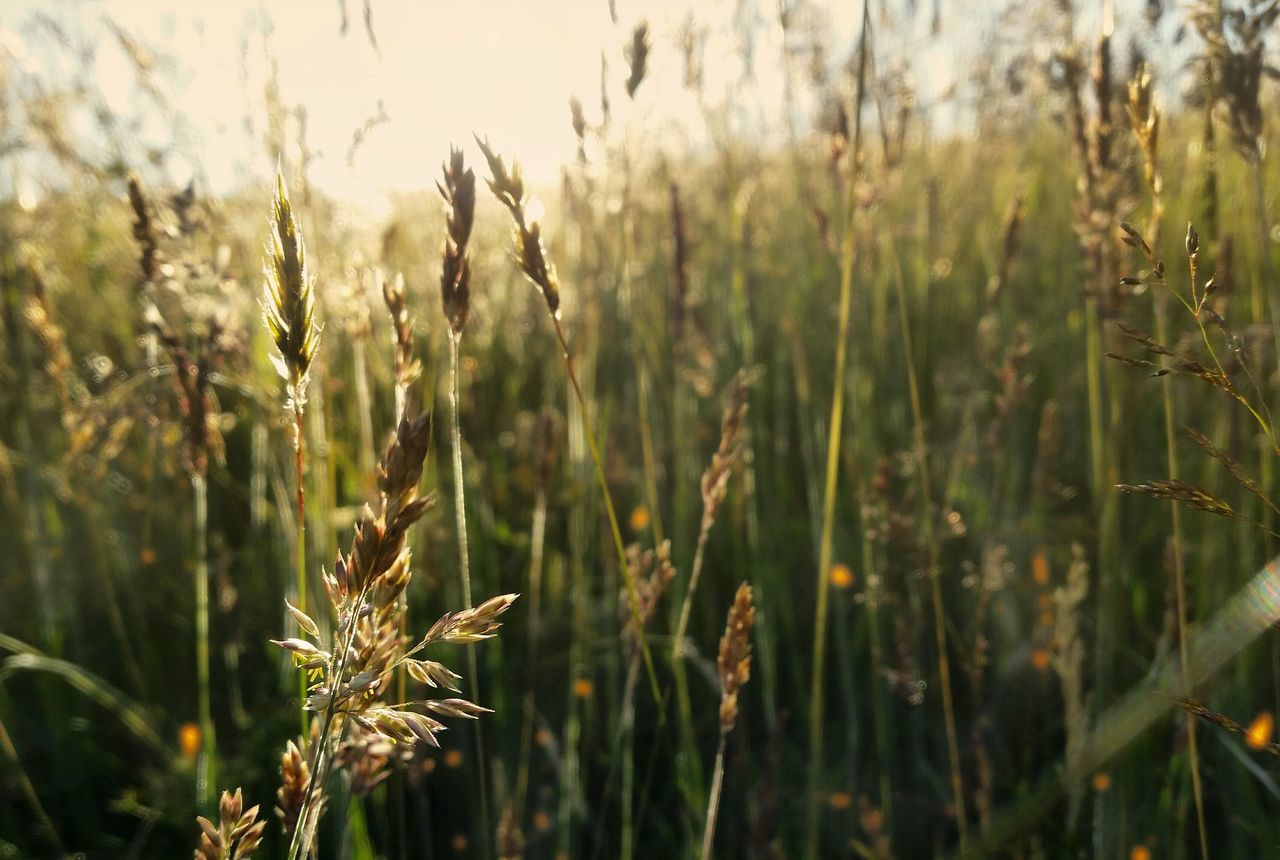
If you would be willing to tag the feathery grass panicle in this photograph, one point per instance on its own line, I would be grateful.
(288, 303)
(237, 834)
(459, 191)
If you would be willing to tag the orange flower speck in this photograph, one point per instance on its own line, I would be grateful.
(189, 740)
(1258, 735)
(841, 576)
(1040, 568)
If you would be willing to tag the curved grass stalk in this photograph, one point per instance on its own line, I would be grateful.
(848, 260)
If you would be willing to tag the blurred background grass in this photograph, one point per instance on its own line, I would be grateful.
(973, 250)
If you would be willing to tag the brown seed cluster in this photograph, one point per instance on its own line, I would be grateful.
(407, 367)
(237, 834)
(734, 662)
(508, 187)
(652, 572)
(459, 191)
(295, 780)
(732, 448)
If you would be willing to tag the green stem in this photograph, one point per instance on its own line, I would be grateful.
(206, 763)
(304, 831)
(935, 572)
(29, 790)
(633, 596)
(464, 563)
(817, 687)
(301, 551)
(713, 804)
(538, 537)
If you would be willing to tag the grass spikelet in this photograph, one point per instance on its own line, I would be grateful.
(1180, 491)
(295, 783)
(237, 833)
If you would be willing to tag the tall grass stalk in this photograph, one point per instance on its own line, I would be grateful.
(734, 665)
(300, 546)
(29, 792)
(508, 187)
(1145, 118)
(537, 545)
(458, 189)
(288, 312)
(848, 260)
(464, 567)
(206, 762)
(934, 552)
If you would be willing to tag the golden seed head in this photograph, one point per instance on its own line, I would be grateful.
(288, 303)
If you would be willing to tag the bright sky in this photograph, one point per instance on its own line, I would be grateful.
(442, 69)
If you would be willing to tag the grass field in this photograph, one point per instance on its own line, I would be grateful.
(883, 475)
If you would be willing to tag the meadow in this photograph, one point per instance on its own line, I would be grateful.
(883, 486)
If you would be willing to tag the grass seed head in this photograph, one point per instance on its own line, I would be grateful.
(237, 833)
(734, 661)
(638, 57)
(459, 191)
(288, 303)
(508, 187)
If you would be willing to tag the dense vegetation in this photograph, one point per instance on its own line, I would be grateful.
(983, 424)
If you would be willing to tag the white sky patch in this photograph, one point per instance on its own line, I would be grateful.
(442, 70)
